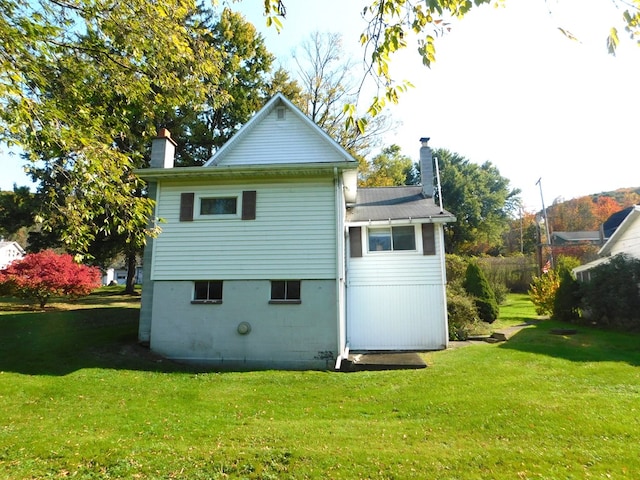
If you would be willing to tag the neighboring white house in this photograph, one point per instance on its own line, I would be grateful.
(270, 257)
(624, 239)
(10, 251)
(119, 276)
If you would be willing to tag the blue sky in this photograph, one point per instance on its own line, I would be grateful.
(506, 87)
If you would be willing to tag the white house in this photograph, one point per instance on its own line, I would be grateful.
(10, 251)
(624, 239)
(270, 257)
(119, 275)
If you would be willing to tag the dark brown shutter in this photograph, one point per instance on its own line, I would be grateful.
(186, 207)
(249, 205)
(355, 241)
(428, 239)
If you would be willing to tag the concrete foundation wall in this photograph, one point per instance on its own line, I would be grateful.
(302, 336)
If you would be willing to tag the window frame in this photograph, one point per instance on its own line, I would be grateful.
(208, 300)
(217, 216)
(390, 229)
(286, 298)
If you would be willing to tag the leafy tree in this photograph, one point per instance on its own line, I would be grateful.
(544, 288)
(17, 210)
(543, 291)
(281, 81)
(605, 207)
(389, 168)
(481, 200)
(627, 197)
(477, 285)
(39, 276)
(522, 235)
(90, 76)
(92, 84)
(242, 79)
(573, 215)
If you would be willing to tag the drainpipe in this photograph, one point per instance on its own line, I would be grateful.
(339, 209)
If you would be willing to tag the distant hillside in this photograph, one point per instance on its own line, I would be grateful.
(624, 196)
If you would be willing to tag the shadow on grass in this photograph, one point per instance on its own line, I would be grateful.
(588, 344)
(58, 342)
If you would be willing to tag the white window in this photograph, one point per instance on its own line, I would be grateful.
(386, 239)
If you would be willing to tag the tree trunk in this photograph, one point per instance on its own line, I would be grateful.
(131, 272)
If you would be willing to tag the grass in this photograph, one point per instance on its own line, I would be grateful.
(80, 399)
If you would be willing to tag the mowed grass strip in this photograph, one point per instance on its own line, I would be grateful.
(79, 399)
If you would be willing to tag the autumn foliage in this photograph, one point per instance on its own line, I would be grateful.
(39, 276)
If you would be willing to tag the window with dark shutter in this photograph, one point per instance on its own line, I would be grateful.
(428, 239)
(186, 207)
(392, 239)
(355, 242)
(249, 205)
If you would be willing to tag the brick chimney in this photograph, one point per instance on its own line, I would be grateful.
(163, 150)
(426, 168)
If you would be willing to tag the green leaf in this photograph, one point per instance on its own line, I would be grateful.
(612, 41)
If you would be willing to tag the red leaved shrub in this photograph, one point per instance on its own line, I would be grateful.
(39, 276)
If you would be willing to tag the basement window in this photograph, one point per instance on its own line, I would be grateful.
(285, 291)
(387, 239)
(207, 291)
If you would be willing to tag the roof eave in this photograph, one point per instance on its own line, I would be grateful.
(395, 221)
(223, 171)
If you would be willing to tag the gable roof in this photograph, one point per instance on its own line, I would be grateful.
(633, 214)
(395, 203)
(222, 156)
(613, 222)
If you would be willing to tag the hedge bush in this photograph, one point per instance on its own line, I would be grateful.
(463, 314)
(612, 296)
(566, 303)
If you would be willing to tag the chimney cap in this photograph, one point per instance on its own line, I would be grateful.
(425, 140)
(164, 133)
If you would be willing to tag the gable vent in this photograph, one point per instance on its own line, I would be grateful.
(280, 113)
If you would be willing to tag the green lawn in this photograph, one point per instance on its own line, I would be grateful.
(79, 399)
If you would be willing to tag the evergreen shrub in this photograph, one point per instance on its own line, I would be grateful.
(476, 284)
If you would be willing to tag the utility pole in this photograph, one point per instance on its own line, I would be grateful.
(546, 224)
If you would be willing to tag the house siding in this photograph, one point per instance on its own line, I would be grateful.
(629, 241)
(397, 300)
(292, 237)
(282, 336)
(275, 141)
(396, 317)
(398, 268)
